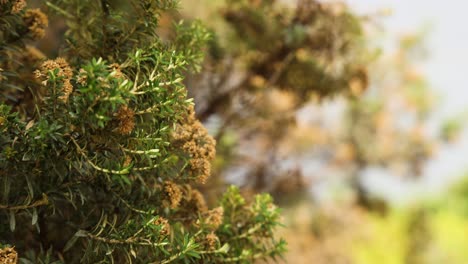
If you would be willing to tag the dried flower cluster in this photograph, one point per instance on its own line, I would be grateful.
(16, 5)
(197, 201)
(37, 22)
(214, 217)
(116, 70)
(127, 161)
(126, 119)
(64, 72)
(173, 194)
(193, 139)
(165, 227)
(211, 241)
(82, 77)
(8, 255)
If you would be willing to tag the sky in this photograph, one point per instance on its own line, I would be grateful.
(447, 41)
(445, 70)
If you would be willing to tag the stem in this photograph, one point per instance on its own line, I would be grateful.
(147, 110)
(130, 207)
(118, 172)
(149, 151)
(43, 201)
(96, 167)
(59, 10)
(172, 258)
(129, 241)
(248, 233)
(161, 85)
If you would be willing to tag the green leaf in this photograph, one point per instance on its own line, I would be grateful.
(12, 221)
(132, 251)
(194, 254)
(224, 249)
(34, 217)
(81, 233)
(25, 261)
(70, 242)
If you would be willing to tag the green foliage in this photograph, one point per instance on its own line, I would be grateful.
(428, 232)
(100, 152)
(239, 230)
(385, 235)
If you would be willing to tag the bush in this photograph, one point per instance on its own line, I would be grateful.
(101, 152)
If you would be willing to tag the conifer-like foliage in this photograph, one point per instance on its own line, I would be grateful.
(100, 149)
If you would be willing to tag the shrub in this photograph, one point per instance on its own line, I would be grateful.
(101, 152)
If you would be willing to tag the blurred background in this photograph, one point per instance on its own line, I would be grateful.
(351, 114)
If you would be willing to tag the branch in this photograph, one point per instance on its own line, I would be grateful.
(43, 201)
(59, 10)
(128, 241)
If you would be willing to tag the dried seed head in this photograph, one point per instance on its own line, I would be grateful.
(198, 201)
(116, 72)
(61, 64)
(211, 241)
(214, 217)
(193, 139)
(64, 71)
(127, 161)
(173, 193)
(36, 21)
(8, 255)
(82, 77)
(67, 89)
(126, 118)
(165, 227)
(18, 5)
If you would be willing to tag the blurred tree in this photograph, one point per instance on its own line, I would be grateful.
(259, 86)
(272, 61)
(387, 126)
(267, 63)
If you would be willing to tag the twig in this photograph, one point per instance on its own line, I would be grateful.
(43, 201)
